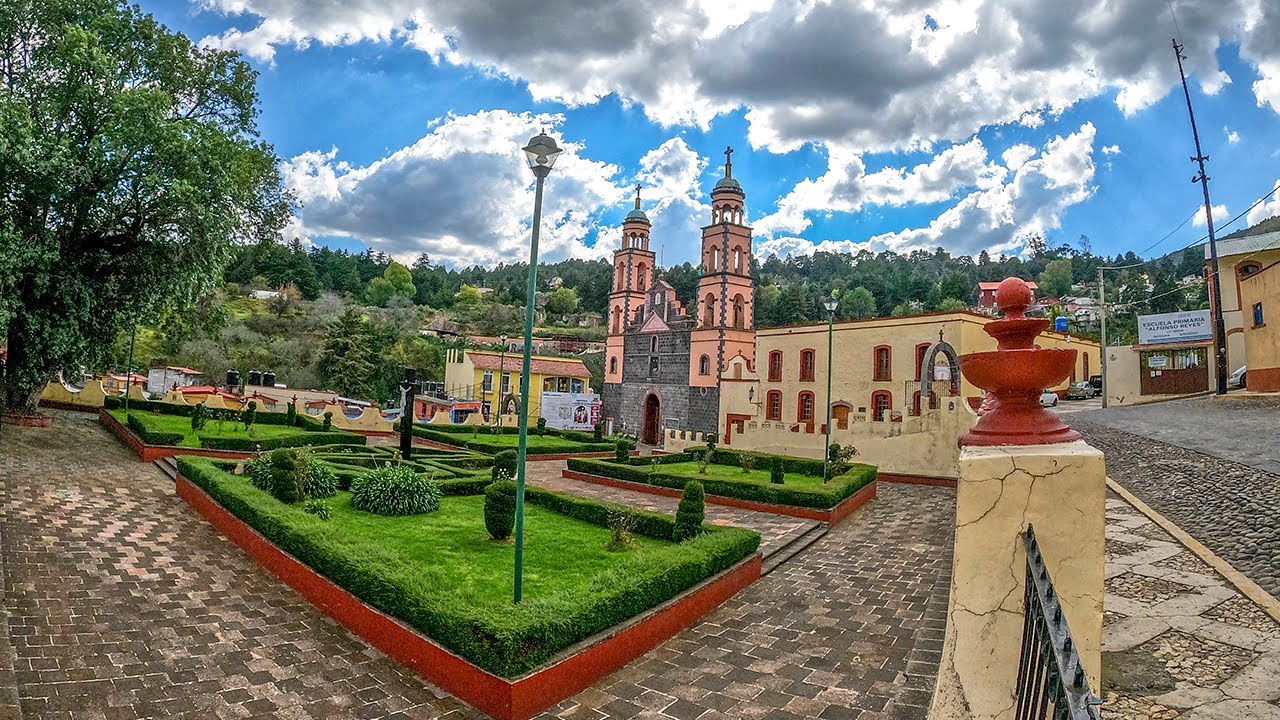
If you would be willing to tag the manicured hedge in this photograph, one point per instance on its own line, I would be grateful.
(302, 439)
(261, 417)
(155, 406)
(822, 497)
(505, 640)
(479, 444)
(152, 437)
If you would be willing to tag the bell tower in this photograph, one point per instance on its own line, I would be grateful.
(634, 268)
(726, 293)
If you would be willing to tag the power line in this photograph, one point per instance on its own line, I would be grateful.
(1171, 232)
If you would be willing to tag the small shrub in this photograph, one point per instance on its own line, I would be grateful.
(842, 460)
(500, 509)
(291, 415)
(704, 459)
(833, 452)
(288, 476)
(394, 490)
(690, 513)
(328, 420)
(622, 451)
(776, 472)
(249, 414)
(621, 525)
(321, 480)
(199, 416)
(318, 509)
(597, 432)
(504, 463)
(542, 426)
(747, 462)
(711, 443)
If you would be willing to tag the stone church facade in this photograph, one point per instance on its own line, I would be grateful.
(664, 364)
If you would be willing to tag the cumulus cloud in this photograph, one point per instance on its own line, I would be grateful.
(1219, 216)
(998, 218)
(787, 246)
(1110, 149)
(461, 193)
(1268, 209)
(1232, 136)
(919, 72)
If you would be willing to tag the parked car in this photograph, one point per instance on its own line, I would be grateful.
(1096, 382)
(1236, 379)
(1048, 398)
(1081, 391)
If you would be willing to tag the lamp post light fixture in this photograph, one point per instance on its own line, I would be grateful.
(541, 153)
(830, 304)
(502, 373)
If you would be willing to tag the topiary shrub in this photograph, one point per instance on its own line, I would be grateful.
(292, 475)
(542, 426)
(328, 420)
(833, 452)
(504, 465)
(597, 432)
(776, 472)
(291, 415)
(199, 415)
(394, 490)
(249, 414)
(622, 451)
(287, 478)
(690, 513)
(500, 509)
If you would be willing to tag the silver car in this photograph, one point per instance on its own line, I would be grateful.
(1048, 398)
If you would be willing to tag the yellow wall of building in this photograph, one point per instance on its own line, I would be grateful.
(461, 373)
(1262, 343)
(1237, 316)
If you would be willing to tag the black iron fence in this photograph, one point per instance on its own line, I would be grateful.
(1051, 681)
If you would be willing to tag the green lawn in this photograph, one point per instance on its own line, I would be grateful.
(731, 472)
(442, 574)
(157, 422)
(512, 441)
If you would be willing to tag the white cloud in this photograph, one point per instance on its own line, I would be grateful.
(1268, 209)
(462, 193)
(1110, 149)
(787, 246)
(789, 63)
(1219, 216)
(1233, 137)
(673, 198)
(1017, 155)
(847, 187)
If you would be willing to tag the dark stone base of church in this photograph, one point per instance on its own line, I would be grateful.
(680, 407)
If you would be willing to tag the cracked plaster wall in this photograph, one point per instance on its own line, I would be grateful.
(1061, 490)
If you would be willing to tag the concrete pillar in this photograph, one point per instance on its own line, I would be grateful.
(1061, 490)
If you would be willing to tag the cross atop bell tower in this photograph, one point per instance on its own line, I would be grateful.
(728, 161)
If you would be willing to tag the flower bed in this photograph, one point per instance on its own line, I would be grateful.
(441, 575)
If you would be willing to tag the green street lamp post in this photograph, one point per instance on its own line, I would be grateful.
(541, 153)
(502, 373)
(830, 304)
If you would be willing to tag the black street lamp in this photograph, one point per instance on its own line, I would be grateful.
(830, 304)
(541, 153)
(407, 388)
(502, 374)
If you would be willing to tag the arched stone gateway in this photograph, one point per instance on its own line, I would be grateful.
(942, 347)
(651, 428)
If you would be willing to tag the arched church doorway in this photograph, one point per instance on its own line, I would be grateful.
(650, 433)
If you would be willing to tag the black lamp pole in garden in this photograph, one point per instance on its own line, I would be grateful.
(128, 371)
(502, 373)
(541, 152)
(830, 304)
(406, 413)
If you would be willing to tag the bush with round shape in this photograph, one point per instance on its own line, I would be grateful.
(542, 426)
(288, 476)
(500, 509)
(622, 451)
(328, 420)
(394, 490)
(504, 465)
(690, 513)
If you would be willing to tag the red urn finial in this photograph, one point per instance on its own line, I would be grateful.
(1014, 374)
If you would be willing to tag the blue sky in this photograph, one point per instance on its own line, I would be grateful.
(965, 125)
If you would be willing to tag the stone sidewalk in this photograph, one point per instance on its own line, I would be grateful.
(1178, 640)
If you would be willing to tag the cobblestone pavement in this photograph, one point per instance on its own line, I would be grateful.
(123, 603)
(1178, 641)
(1234, 509)
(775, 530)
(1237, 428)
(850, 628)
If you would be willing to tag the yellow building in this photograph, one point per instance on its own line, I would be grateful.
(1239, 258)
(493, 379)
(876, 373)
(1260, 298)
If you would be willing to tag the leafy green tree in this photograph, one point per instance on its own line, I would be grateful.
(950, 304)
(469, 295)
(130, 161)
(344, 362)
(857, 304)
(562, 301)
(1055, 281)
(396, 281)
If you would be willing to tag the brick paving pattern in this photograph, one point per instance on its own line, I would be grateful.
(775, 530)
(1231, 507)
(1179, 641)
(123, 603)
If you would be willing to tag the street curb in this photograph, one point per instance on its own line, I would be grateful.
(1263, 599)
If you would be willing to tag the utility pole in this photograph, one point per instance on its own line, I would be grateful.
(1215, 288)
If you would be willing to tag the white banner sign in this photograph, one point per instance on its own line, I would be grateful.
(1190, 326)
(571, 411)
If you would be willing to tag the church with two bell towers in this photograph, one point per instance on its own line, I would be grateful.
(663, 362)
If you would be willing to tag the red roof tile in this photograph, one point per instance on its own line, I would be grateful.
(513, 363)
